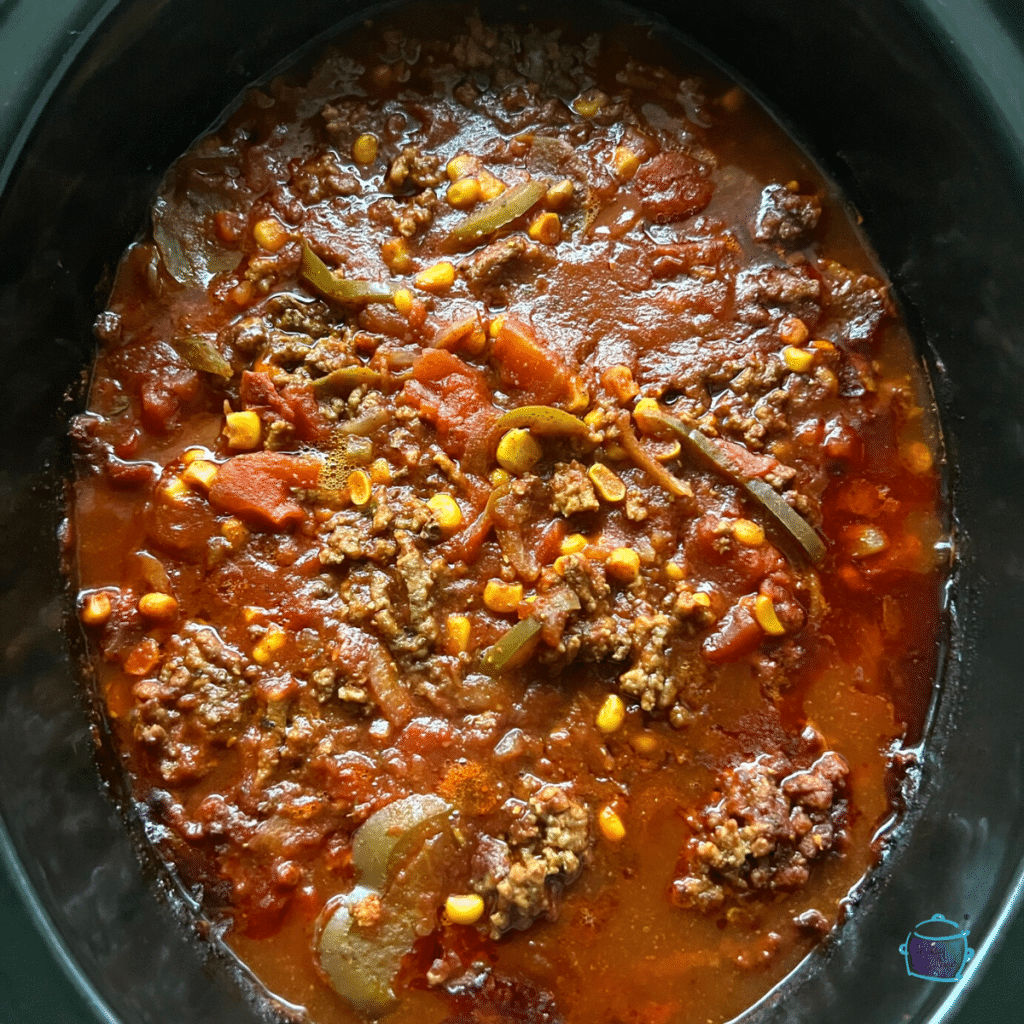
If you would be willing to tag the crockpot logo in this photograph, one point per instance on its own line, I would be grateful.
(937, 950)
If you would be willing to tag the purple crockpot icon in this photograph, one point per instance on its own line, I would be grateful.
(937, 950)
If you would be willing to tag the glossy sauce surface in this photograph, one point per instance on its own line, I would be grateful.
(293, 634)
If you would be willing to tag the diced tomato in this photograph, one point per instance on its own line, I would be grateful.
(528, 363)
(456, 399)
(163, 396)
(257, 487)
(295, 403)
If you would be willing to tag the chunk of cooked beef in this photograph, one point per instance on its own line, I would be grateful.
(571, 490)
(764, 831)
(784, 216)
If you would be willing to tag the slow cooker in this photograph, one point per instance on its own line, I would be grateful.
(912, 106)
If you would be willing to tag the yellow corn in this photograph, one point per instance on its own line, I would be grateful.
(200, 474)
(159, 607)
(644, 743)
(546, 228)
(669, 453)
(917, 456)
(674, 571)
(243, 429)
(823, 346)
(380, 471)
(611, 825)
(461, 166)
(619, 380)
(499, 477)
(396, 255)
(799, 360)
(446, 511)
(589, 104)
(495, 326)
(625, 162)
(746, 531)
(502, 597)
(404, 300)
(579, 397)
(457, 631)
(466, 909)
(270, 233)
(437, 278)
(572, 544)
(518, 451)
(607, 483)
(265, 650)
(490, 186)
(96, 609)
(767, 619)
(623, 564)
(174, 490)
(234, 531)
(358, 484)
(191, 454)
(644, 412)
(560, 193)
(464, 193)
(611, 714)
(793, 331)
(702, 599)
(365, 148)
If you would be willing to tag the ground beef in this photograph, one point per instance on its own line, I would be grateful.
(650, 679)
(763, 833)
(546, 847)
(572, 490)
(784, 216)
(413, 167)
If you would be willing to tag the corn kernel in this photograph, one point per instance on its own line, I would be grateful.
(263, 653)
(438, 278)
(644, 743)
(365, 148)
(611, 714)
(234, 531)
(404, 300)
(270, 233)
(625, 162)
(243, 429)
(546, 228)
(380, 471)
(767, 619)
(623, 564)
(799, 360)
(200, 474)
(704, 600)
(573, 544)
(674, 571)
(619, 380)
(612, 827)
(607, 484)
(823, 346)
(463, 194)
(174, 490)
(191, 454)
(457, 631)
(593, 418)
(495, 326)
(917, 456)
(396, 255)
(490, 186)
(560, 564)
(462, 166)
(746, 531)
(251, 613)
(589, 103)
(159, 607)
(579, 396)
(793, 331)
(96, 608)
(502, 597)
(518, 451)
(466, 909)
(446, 511)
(645, 412)
(499, 477)
(560, 193)
(358, 484)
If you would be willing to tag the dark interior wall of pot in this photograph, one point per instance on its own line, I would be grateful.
(877, 94)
